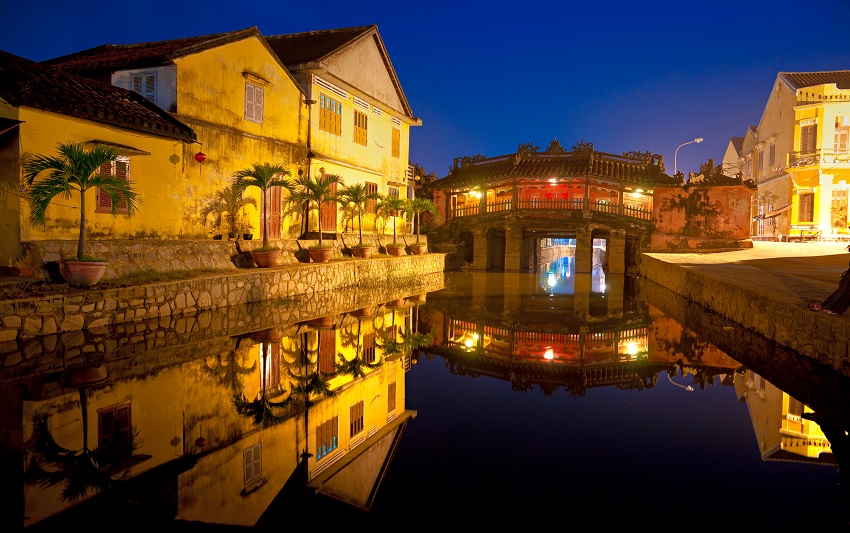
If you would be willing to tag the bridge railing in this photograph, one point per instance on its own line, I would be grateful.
(555, 204)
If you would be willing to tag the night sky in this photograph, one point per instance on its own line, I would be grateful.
(485, 77)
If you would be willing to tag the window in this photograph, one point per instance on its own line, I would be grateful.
(327, 437)
(391, 389)
(808, 138)
(795, 407)
(120, 168)
(327, 351)
(806, 207)
(371, 204)
(356, 417)
(114, 430)
(761, 161)
(393, 191)
(253, 103)
(842, 128)
(369, 348)
(396, 142)
(145, 84)
(360, 127)
(330, 117)
(771, 158)
(252, 464)
(748, 170)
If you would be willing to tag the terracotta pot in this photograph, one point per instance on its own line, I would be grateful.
(320, 255)
(265, 259)
(82, 272)
(268, 334)
(322, 322)
(418, 249)
(398, 302)
(361, 252)
(396, 250)
(365, 311)
(83, 375)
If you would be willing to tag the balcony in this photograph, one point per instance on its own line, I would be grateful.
(818, 157)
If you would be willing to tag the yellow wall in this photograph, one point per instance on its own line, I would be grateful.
(211, 99)
(159, 182)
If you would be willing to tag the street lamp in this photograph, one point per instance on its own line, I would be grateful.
(676, 153)
(687, 388)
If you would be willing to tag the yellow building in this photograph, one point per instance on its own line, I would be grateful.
(41, 107)
(800, 159)
(360, 119)
(242, 103)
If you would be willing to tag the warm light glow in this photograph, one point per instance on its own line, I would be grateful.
(475, 336)
(549, 354)
(468, 343)
(553, 180)
(551, 281)
(632, 348)
(476, 194)
(636, 194)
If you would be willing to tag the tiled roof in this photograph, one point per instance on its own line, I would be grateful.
(310, 46)
(108, 58)
(30, 84)
(565, 165)
(798, 80)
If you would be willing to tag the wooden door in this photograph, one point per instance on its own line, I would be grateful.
(329, 214)
(272, 220)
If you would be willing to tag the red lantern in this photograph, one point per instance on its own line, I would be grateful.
(200, 157)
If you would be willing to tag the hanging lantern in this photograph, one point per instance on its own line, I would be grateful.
(200, 157)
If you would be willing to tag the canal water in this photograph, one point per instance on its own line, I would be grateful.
(493, 399)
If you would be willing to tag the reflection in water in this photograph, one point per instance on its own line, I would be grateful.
(552, 403)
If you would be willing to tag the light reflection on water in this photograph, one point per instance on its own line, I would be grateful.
(534, 403)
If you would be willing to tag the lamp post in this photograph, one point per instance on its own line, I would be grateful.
(676, 153)
(686, 387)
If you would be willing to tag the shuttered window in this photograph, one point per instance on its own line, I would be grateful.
(808, 138)
(369, 354)
(806, 207)
(371, 204)
(114, 429)
(330, 116)
(253, 103)
(396, 142)
(327, 351)
(327, 437)
(121, 168)
(391, 393)
(361, 125)
(252, 462)
(842, 128)
(356, 417)
(145, 84)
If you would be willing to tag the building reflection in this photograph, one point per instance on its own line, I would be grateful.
(214, 431)
(557, 329)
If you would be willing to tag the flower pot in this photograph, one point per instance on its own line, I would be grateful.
(320, 255)
(82, 272)
(322, 322)
(396, 250)
(216, 237)
(265, 259)
(418, 248)
(266, 335)
(361, 252)
(247, 236)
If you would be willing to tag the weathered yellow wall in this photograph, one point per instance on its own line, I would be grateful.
(211, 99)
(160, 214)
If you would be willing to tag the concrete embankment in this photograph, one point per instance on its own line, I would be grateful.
(766, 289)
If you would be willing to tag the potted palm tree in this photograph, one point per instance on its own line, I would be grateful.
(315, 192)
(226, 208)
(391, 207)
(71, 172)
(415, 207)
(356, 196)
(264, 176)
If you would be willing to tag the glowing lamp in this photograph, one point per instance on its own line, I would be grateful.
(549, 354)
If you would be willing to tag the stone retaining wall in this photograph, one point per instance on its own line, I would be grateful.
(130, 256)
(93, 309)
(819, 336)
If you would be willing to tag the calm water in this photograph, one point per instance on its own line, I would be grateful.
(541, 398)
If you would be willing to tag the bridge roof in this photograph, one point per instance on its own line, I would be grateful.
(626, 169)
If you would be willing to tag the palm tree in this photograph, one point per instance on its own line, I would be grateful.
(226, 202)
(390, 207)
(315, 192)
(75, 168)
(357, 196)
(264, 176)
(415, 207)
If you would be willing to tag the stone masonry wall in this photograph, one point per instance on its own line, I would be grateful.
(28, 318)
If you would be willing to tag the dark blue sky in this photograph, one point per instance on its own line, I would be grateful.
(485, 77)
